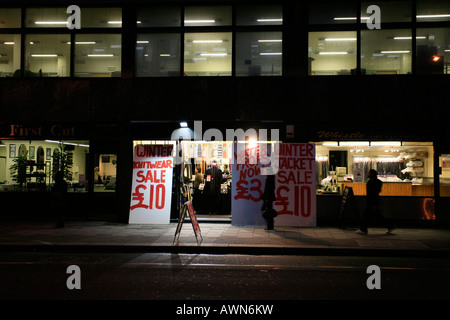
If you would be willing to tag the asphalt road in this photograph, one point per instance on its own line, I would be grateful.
(195, 277)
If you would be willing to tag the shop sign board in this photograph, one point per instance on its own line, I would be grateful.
(295, 185)
(152, 184)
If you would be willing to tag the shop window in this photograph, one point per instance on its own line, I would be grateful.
(259, 54)
(444, 177)
(210, 16)
(47, 55)
(101, 18)
(98, 55)
(9, 54)
(433, 51)
(158, 17)
(332, 53)
(391, 11)
(332, 13)
(406, 168)
(10, 18)
(208, 54)
(433, 10)
(46, 17)
(30, 165)
(259, 15)
(158, 55)
(386, 51)
(105, 172)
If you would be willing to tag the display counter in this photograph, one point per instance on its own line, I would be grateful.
(394, 188)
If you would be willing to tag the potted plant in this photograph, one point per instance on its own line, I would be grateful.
(19, 169)
(62, 161)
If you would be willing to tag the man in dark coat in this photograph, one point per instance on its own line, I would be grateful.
(213, 180)
(269, 197)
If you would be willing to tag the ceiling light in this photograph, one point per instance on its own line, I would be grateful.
(50, 22)
(424, 16)
(332, 53)
(386, 143)
(44, 55)
(354, 143)
(207, 41)
(275, 40)
(396, 51)
(142, 41)
(269, 20)
(8, 42)
(270, 54)
(340, 39)
(183, 124)
(408, 38)
(213, 54)
(114, 22)
(100, 55)
(199, 21)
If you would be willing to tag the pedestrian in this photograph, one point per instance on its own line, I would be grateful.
(58, 195)
(373, 189)
(268, 198)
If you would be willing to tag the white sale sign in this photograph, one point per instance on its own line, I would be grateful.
(151, 192)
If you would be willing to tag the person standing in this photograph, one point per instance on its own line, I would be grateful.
(268, 198)
(373, 189)
(59, 191)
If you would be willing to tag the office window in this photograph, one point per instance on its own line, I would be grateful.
(259, 15)
(332, 13)
(208, 54)
(100, 17)
(433, 51)
(158, 55)
(46, 17)
(332, 53)
(158, 17)
(395, 11)
(433, 10)
(47, 55)
(386, 51)
(259, 54)
(9, 54)
(98, 55)
(9, 18)
(210, 16)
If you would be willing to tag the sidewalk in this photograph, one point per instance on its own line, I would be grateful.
(222, 238)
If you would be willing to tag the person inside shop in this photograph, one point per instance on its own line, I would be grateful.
(198, 179)
(213, 180)
(59, 191)
(373, 189)
(268, 198)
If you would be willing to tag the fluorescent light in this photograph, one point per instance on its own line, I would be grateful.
(8, 42)
(332, 53)
(408, 38)
(44, 55)
(330, 144)
(447, 50)
(100, 55)
(269, 20)
(340, 39)
(270, 54)
(396, 51)
(183, 124)
(200, 21)
(213, 54)
(142, 41)
(83, 42)
(354, 143)
(164, 54)
(386, 143)
(345, 18)
(114, 22)
(275, 40)
(207, 41)
(50, 22)
(425, 16)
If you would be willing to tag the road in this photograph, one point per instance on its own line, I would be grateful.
(192, 277)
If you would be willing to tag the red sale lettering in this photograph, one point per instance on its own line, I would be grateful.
(295, 177)
(139, 196)
(154, 176)
(157, 196)
(283, 201)
(249, 192)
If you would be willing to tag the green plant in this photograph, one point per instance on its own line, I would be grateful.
(62, 161)
(19, 169)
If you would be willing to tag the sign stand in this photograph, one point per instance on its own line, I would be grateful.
(187, 208)
(347, 196)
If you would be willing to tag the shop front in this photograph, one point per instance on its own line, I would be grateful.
(222, 172)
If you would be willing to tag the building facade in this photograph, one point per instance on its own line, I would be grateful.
(367, 96)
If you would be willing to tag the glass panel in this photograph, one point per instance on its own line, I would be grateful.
(386, 51)
(207, 16)
(207, 54)
(259, 54)
(9, 54)
(9, 18)
(332, 13)
(105, 172)
(259, 15)
(47, 55)
(444, 177)
(158, 55)
(395, 11)
(159, 17)
(433, 51)
(433, 10)
(101, 17)
(332, 53)
(42, 159)
(98, 55)
(46, 18)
